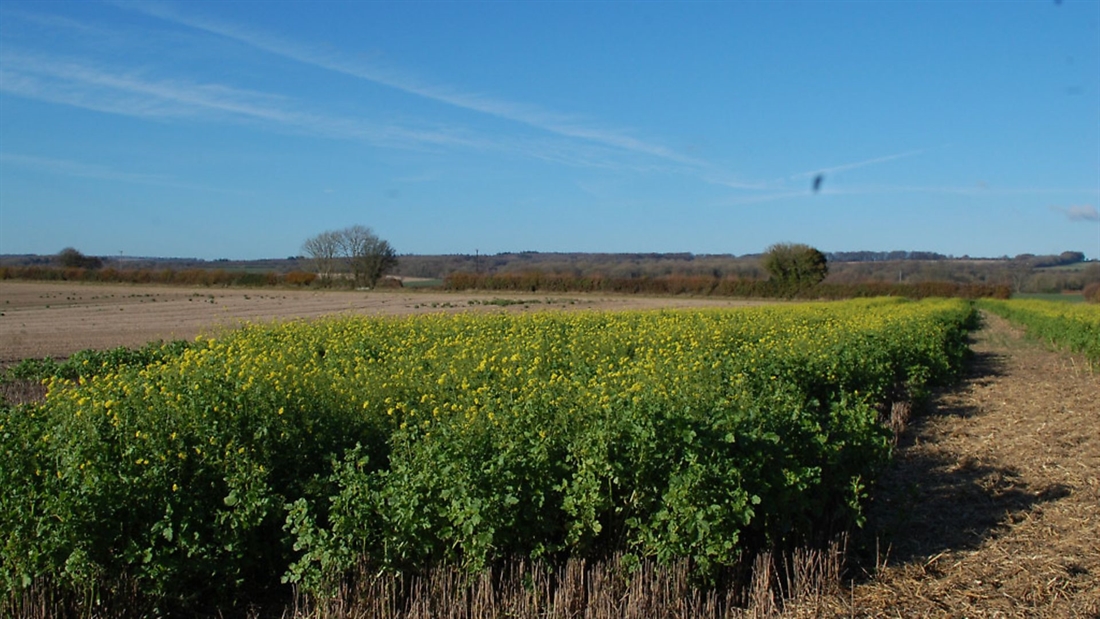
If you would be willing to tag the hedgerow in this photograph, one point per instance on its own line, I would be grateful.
(537, 281)
(180, 277)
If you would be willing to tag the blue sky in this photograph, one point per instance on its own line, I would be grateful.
(238, 130)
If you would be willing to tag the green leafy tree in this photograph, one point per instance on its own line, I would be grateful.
(795, 266)
(71, 258)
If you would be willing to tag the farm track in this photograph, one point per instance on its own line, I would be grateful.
(992, 507)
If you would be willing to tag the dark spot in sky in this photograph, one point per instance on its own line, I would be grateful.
(817, 182)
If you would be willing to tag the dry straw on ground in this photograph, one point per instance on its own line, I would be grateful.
(992, 508)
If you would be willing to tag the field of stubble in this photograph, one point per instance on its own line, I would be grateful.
(45, 319)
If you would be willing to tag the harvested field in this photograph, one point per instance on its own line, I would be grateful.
(46, 319)
(992, 508)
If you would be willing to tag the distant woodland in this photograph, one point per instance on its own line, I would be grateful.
(1025, 273)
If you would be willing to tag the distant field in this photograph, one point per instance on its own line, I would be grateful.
(48, 319)
(421, 282)
(1063, 297)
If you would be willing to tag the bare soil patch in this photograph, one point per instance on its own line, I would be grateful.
(47, 319)
(992, 507)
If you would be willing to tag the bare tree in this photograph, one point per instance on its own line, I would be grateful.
(324, 251)
(356, 250)
(368, 256)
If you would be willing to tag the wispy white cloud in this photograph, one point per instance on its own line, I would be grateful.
(858, 164)
(137, 93)
(151, 93)
(95, 171)
(980, 189)
(75, 83)
(526, 114)
(133, 93)
(992, 190)
(1075, 213)
(1085, 212)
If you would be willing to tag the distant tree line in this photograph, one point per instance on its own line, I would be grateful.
(72, 265)
(1023, 273)
(701, 285)
(794, 271)
(177, 277)
(1049, 260)
(883, 256)
(669, 272)
(1019, 276)
(583, 264)
(1062, 259)
(152, 263)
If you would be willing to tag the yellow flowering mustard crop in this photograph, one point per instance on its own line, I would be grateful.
(1074, 326)
(467, 438)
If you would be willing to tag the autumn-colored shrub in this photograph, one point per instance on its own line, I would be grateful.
(299, 278)
(1092, 292)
